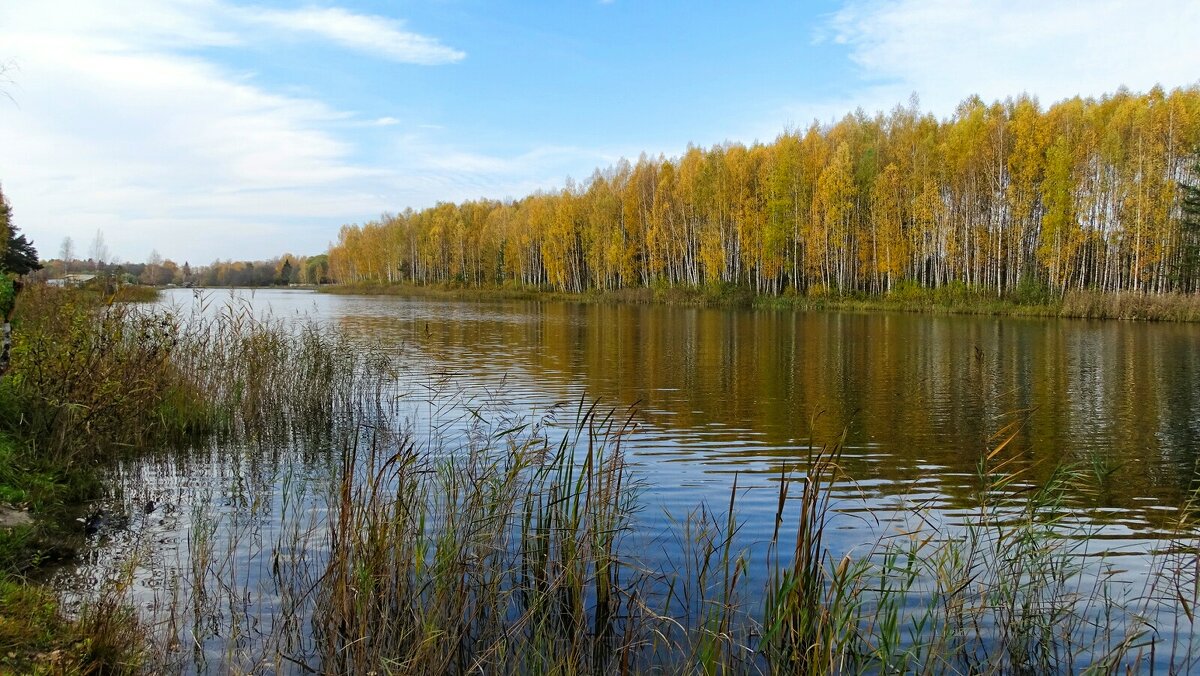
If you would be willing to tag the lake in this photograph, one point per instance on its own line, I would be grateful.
(718, 391)
(713, 395)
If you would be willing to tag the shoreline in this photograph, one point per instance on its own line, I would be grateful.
(951, 300)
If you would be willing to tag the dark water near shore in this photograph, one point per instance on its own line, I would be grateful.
(719, 392)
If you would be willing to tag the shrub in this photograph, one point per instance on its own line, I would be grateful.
(1031, 291)
(89, 377)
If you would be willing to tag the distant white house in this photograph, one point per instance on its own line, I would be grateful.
(73, 279)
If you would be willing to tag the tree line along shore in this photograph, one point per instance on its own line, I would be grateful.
(1008, 200)
(1088, 208)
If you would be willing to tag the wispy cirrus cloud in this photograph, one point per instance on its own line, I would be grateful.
(451, 172)
(366, 33)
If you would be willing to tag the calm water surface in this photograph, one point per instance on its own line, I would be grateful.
(719, 392)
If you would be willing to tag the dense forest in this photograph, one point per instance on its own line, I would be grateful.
(287, 269)
(1085, 194)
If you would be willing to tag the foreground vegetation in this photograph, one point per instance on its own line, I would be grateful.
(355, 540)
(521, 549)
(93, 381)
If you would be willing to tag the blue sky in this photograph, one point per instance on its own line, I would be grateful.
(209, 129)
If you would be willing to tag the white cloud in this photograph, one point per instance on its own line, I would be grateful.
(451, 173)
(118, 123)
(947, 50)
(371, 34)
(122, 24)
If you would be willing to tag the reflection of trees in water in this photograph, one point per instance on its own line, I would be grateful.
(921, 391)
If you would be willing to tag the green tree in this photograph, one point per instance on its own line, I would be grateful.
(1189, 262)
(316, 269)
(20, 256)
(285, 272)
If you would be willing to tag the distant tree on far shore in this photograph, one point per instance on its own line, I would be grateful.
(66, 253)
(1189, 265)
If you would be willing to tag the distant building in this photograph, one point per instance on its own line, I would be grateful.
(73, 279)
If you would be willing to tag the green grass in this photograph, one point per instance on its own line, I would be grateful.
(37, 638)
(1031, 300)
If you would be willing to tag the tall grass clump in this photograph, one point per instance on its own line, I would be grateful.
(91, 379)
(1171, 307)
(1009, 586)
(37, 638)
(259, 376)
(811, 608)
(502, 554)
(503, 559)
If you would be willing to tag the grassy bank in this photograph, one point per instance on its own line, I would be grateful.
(951, 299)
(93, 380)
(86, 382)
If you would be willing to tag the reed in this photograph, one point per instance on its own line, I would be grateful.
(90, 379)
(504, 558)
(1010, 589)
(94, 380)
(518, 552)
(1177, 307)
(810, 608)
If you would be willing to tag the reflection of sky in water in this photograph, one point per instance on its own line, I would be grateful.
(719, 393)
